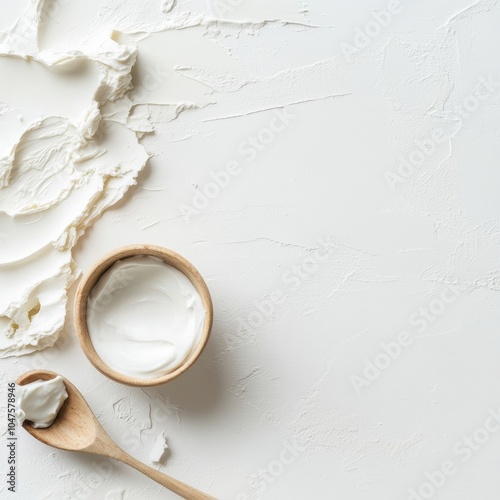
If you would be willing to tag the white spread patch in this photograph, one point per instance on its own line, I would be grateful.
(61, 166)
(160, 450)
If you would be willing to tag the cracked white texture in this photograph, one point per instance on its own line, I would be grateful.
(391, 253)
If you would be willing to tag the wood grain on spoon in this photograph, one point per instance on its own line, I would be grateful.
(77, 429)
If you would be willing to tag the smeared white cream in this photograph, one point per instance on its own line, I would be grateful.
(39, 402)
(144, 317)
(61, 166)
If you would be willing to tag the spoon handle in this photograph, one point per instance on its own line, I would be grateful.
(182, 489)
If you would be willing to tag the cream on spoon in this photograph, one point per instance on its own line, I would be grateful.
(40, 401)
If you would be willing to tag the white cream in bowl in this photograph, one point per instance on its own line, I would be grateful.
(144, 317)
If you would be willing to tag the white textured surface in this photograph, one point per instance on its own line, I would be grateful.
(315, 231)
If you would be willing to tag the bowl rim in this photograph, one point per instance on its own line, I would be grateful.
(92, 276)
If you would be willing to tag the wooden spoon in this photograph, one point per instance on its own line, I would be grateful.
(76, 429)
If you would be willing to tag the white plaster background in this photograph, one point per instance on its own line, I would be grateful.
(324, 176)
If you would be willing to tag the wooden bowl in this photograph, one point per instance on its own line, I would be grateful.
(92, 276)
